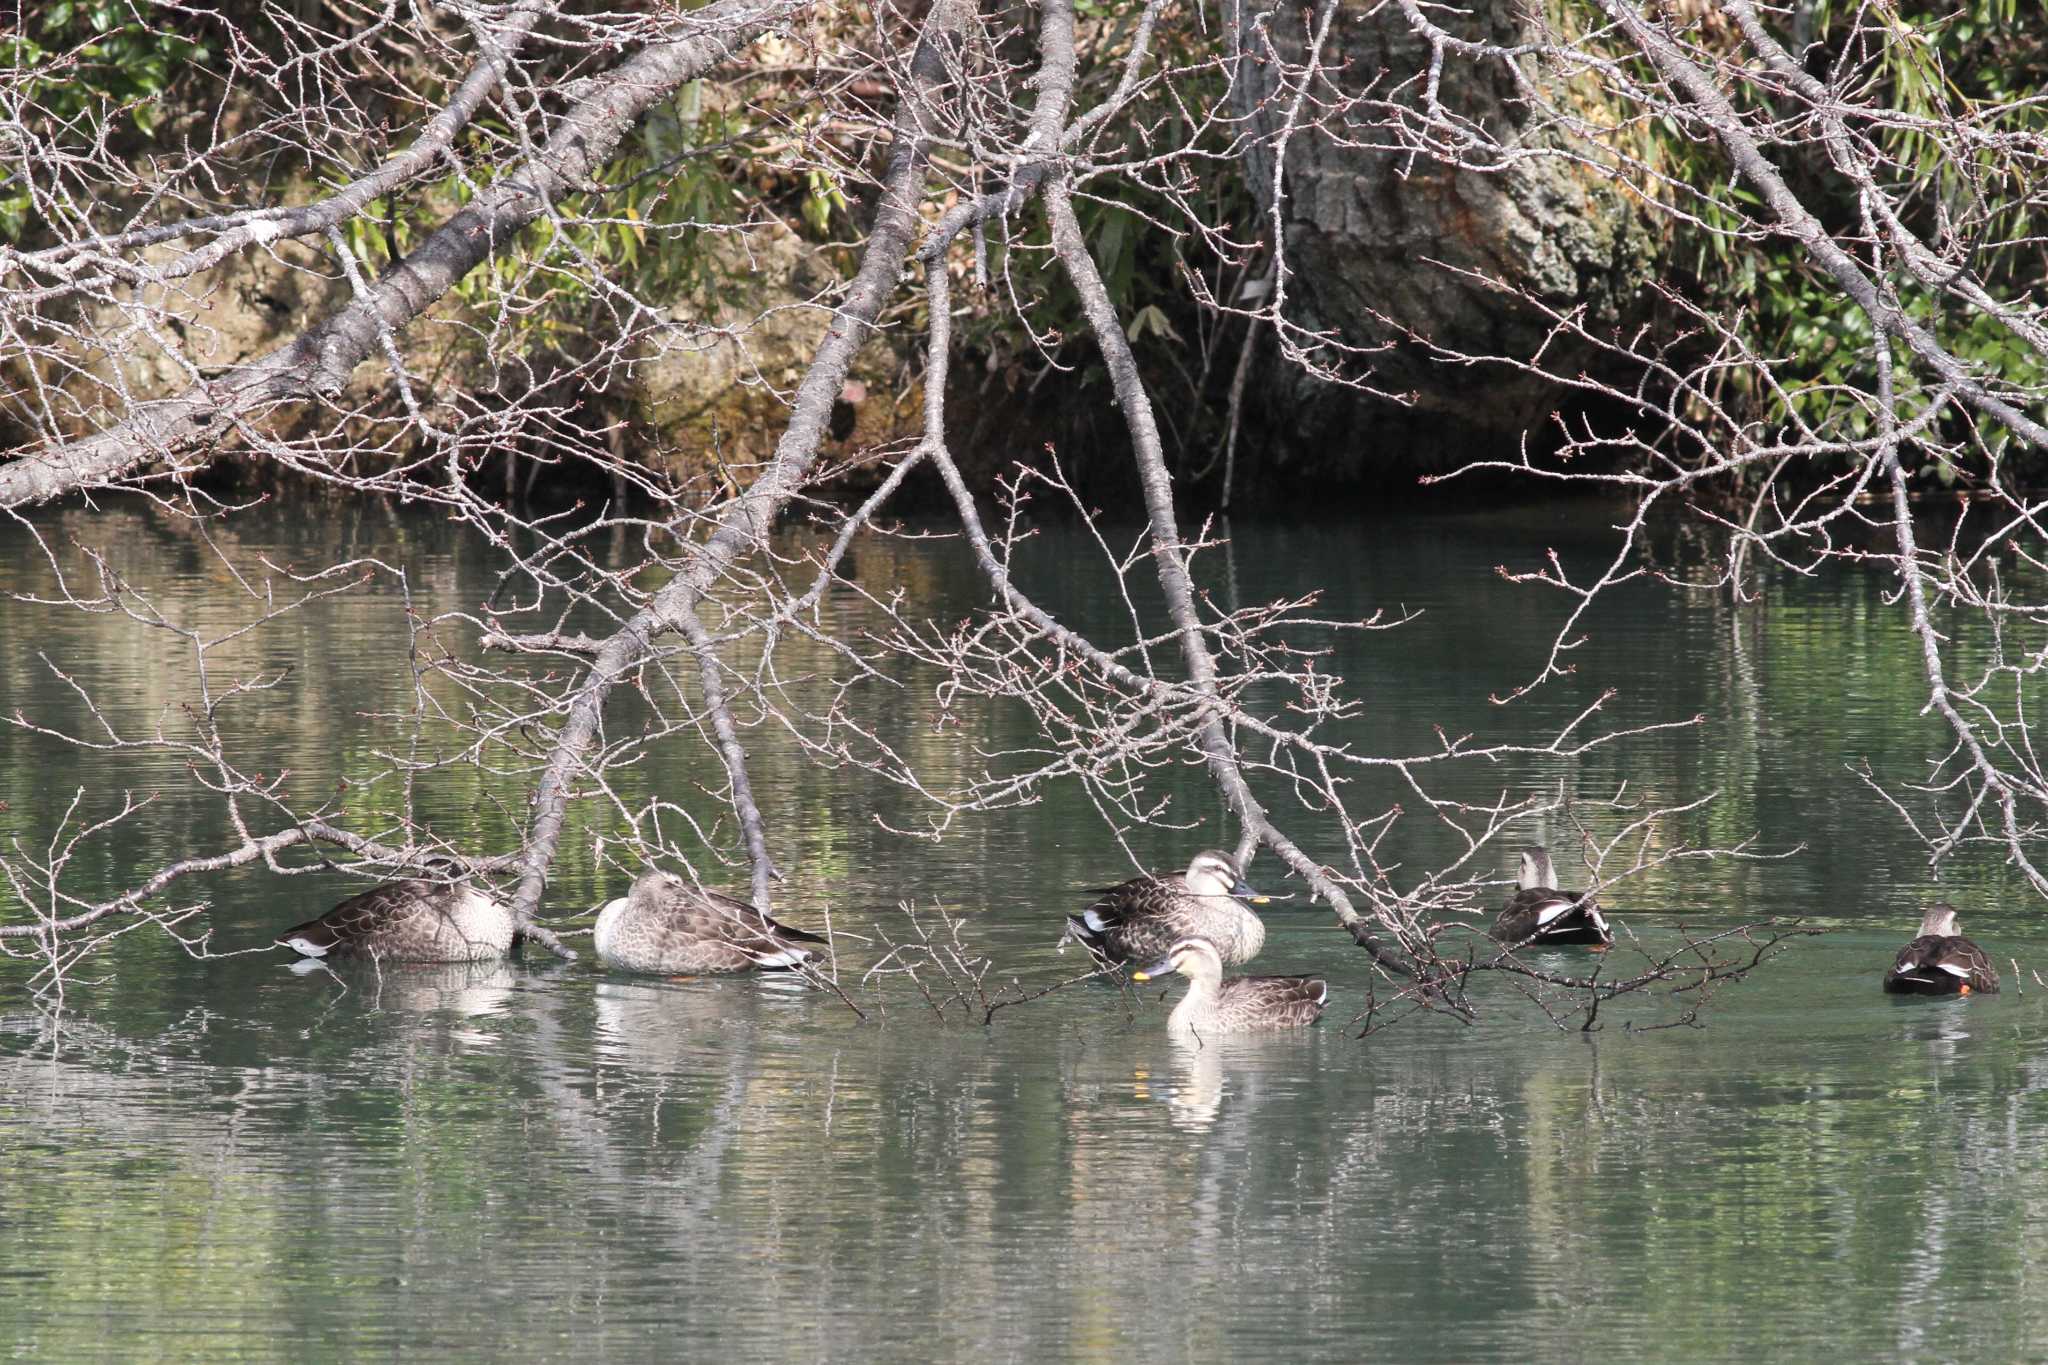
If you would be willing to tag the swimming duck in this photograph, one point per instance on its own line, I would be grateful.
(1941, 961)
(1241, 1004)
(668, 926)
(410, 921)
(1145, 916)
(1541, 915)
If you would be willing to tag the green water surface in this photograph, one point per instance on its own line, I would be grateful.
(221, 1159)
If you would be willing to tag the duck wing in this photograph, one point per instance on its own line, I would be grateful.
(1130, 919)
(360, 919)
(765, 925)
(1938, 964)
(1545, 916)
(1913, 970)
(1963, 955)
(721, 933)
(1275, 1001)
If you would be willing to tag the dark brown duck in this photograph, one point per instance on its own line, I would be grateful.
(1540, 915)
(1941, 961)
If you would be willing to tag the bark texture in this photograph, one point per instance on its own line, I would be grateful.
(1377, 235)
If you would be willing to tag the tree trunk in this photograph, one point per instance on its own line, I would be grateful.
(1468, 261)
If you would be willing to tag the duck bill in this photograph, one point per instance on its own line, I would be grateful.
(1163, 967)
(1245, 892)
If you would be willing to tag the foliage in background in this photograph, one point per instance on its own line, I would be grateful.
(1980, 63)
(1139, 232)
(683, 181)
(97, 70)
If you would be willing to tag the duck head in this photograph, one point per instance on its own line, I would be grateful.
(1537, 874)
(1215, 873)
(443, 867)
(653, 882)
(1940, 920)
(1191, 957)
(645, 888)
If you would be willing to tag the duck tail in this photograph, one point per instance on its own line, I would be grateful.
(1915, 978)
(784, 958)
(1086, 929)
(314, 938)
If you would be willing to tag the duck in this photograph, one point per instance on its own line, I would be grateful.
(414, 920)
(1541, 915)
(1239, 1004)
(1144, 917)
(1941, 961)
(667, 926)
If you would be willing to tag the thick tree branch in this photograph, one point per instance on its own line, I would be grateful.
(499, 46)
(320, 360)
(746, 521)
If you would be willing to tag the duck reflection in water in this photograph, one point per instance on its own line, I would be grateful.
(445, 993)
(1194, 1094)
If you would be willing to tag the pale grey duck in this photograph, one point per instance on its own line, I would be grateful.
(1941, 961)
(410, 921)
(666, 925)
(1241, 1004)
(1144, 917)
(1540, 915)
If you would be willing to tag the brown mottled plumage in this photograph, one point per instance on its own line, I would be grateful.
(409, 921)
(666, 925)
(1541, 915)
(1941, 961)
(1142, 918)
(1241, 1004)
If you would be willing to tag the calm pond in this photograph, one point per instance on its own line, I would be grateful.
(220, 1159)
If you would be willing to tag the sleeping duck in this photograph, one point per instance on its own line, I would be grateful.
(670, 927)
(410, 921)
